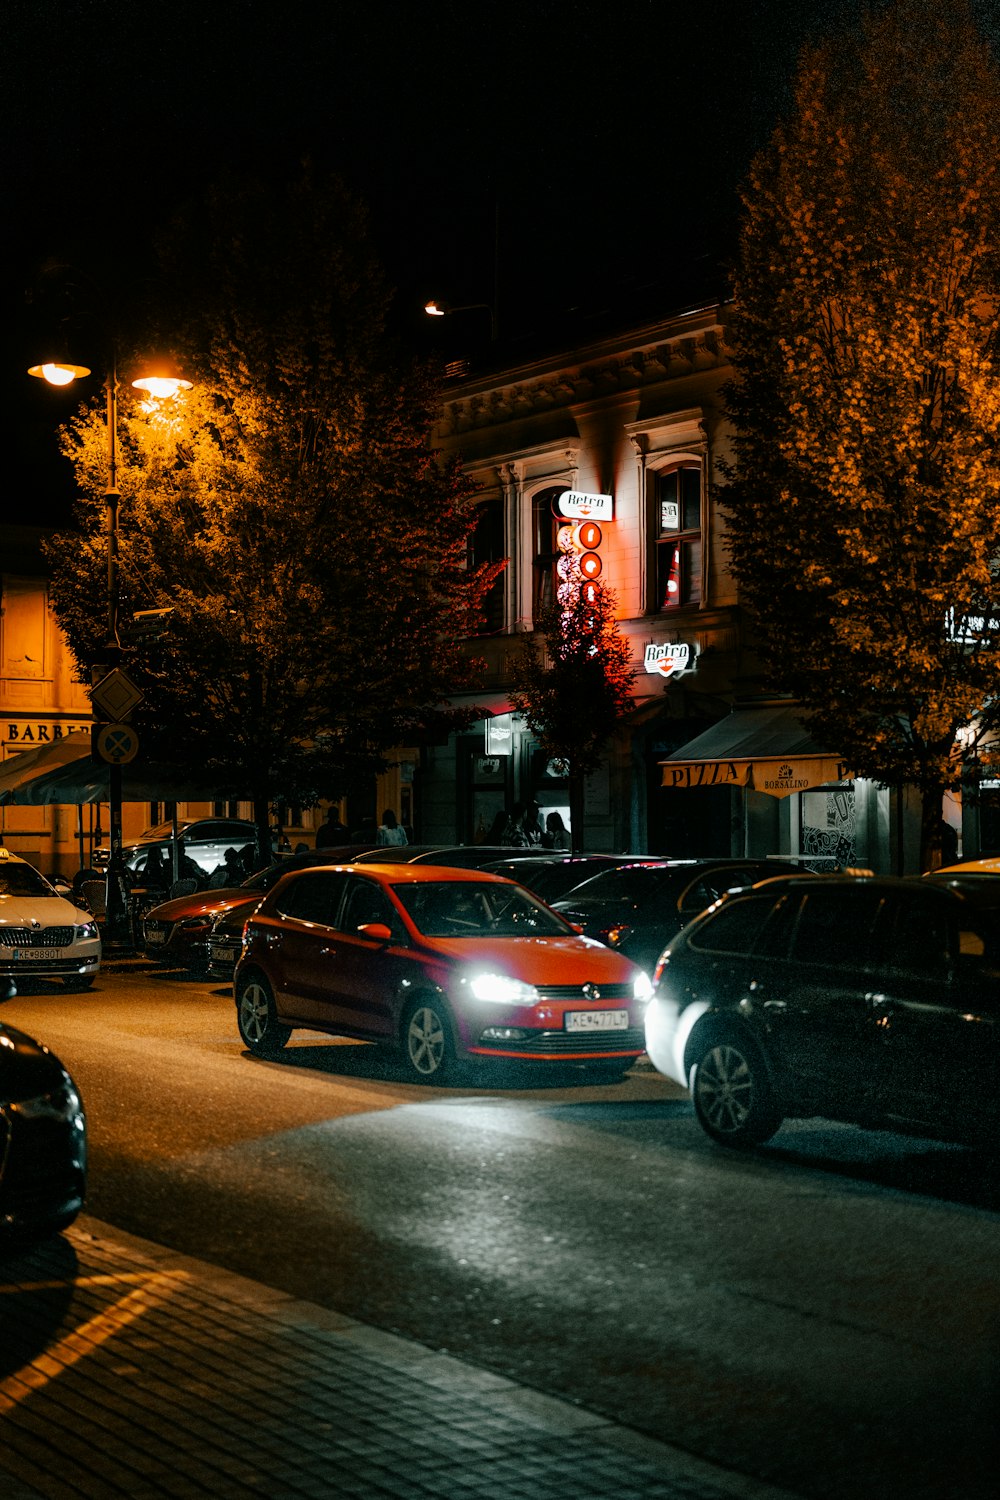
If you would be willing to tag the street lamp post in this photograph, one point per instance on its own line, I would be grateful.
(60, 373)
(438, 309)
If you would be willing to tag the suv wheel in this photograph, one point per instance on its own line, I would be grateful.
(732, 1096)
(257, 1017)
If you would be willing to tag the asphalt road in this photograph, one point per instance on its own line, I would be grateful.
(823, 1313)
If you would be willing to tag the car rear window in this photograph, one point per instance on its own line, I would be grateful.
(735, 927)
(633, 883)
(312, 897)
(835, 925)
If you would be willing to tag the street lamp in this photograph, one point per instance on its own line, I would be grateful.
(159, 383)
(438, 309)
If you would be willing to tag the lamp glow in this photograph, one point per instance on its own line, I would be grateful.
(162, 387)
(58, 373)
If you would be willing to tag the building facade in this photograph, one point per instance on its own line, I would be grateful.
(43, 704)
(634, 426)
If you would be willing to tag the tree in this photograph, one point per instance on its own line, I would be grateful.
(290, 512)
(574, 702)
(863, 504)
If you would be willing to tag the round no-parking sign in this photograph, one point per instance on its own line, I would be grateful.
(117, 744)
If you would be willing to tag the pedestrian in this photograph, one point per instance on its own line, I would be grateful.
(532, 827)
(514, 833)
(332, 832)
(494, 834)
(556, 835)
(228, 874)
(390, 832)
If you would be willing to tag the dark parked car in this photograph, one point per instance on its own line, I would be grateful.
(874, 1001)
(638, 907)
(179, 931)
(43, 1141)
(552, 875)
(446, 965)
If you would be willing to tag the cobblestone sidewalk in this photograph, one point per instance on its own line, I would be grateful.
(126, 1370)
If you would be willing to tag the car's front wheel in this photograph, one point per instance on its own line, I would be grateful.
(257, 1017)
(428, 1048)
(732, 1095)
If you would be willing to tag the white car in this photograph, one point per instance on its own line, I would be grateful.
(43, 935)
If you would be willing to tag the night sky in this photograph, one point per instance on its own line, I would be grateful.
(561, 159)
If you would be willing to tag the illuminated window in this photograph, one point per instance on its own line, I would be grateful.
(544, 552)
(486, 545)
(677, 536)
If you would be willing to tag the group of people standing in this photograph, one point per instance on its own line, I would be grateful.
(522, 829)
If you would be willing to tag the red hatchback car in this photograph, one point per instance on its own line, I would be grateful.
(447, 965)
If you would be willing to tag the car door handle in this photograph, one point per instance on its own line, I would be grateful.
(775, 1005)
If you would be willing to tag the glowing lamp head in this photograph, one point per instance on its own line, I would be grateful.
(435, 309)
(58, 372)
(162, 387)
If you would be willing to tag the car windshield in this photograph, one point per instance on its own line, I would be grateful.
(466, 908)
(23, 880)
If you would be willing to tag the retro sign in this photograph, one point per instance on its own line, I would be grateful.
(578, 505)
(670, 658)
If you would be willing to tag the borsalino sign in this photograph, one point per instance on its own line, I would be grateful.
(778, 778)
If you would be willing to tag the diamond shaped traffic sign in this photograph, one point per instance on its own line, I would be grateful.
(116, 695)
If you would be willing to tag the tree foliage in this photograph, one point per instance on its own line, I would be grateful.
(864, 515)
(289, 509)
(575, 689)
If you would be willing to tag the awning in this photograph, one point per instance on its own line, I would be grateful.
(65, 772)
(765, 749)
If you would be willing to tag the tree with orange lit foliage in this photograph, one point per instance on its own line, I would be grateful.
(573, 685)
(289, 510)
(864, 503)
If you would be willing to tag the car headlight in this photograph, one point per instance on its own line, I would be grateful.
(502, 989)
(190, 924)
(86, 930)
(642, 988)
(63, 1103)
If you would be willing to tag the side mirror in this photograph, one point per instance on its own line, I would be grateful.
(376, 932)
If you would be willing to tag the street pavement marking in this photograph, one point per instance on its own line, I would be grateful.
(89, 1336)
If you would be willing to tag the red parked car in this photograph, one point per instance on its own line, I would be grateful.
(449, 965)
(177, 931)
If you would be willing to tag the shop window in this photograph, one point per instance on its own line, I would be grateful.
(486, 545)
(544, 552)
(677, 541)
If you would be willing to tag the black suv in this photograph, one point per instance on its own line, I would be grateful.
(874, 1001)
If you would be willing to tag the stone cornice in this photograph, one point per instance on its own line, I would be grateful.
(685, 346)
